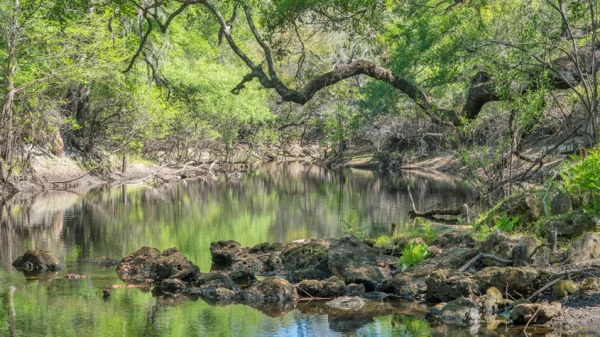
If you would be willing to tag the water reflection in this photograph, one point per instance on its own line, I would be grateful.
(279, 203)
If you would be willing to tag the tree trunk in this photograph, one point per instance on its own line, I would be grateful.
(6, 124)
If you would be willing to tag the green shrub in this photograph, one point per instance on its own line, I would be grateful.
(413, 254)
(506, 223)
(582, 181)
(384, 240)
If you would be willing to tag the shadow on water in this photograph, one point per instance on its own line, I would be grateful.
(279, 203)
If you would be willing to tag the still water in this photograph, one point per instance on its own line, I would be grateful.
(279, 203)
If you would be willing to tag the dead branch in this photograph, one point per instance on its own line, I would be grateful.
(484, 256)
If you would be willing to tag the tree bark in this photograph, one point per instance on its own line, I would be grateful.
(6, 125)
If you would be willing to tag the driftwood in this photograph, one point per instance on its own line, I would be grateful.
(431, 214)
(484, 256)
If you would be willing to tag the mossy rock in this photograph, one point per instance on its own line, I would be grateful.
(568, 225)
(527, 206)
(563, 289)
(590, 283)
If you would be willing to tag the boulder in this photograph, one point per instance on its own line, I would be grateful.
(332, 287)
(498, 244)
(584, 249)
(520, 281)
(265, 247)
(435, 311)
(242, 276)
(543, 311)
(560, 202)
(447, 285)
(461, 310)
(309, 288)
(37, 261)
(306, 259)
(527, 206)
(215, 280)
(136, 266)
(212, 293)
(271, 289)
(173, 285)
(171, 263)
(454, 239)
(347, 303)
(492, 300)
(354, 289)
(563, 289)
(569, 225)
(150, 265)
(354, 261)
(405, 285)
(224, 252)
(452, 258)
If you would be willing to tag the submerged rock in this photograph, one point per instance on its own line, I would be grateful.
(37, 261)
(347, 303)
(534, 313)
(461, 310)
(355, 262)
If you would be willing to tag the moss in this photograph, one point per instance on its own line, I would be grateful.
(590, 283)
(563, 289)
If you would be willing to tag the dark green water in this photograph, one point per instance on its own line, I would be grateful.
(280, 203)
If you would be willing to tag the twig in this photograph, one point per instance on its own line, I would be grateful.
(484, 256)
(548, 285)
(535, 313)
(304, 291)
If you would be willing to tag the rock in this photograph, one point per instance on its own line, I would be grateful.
(436, 311)
(136, 266)
(173, 285)
(434, 251)
(544, 311)
(173, 264)
(354, 289)
(498, 244)
(306, 259)
(563, 289)
(527, 206)
(376, 295)
(569, 225)
(454, 239)
(265, 247)
(271, 289)
(522, 251)
(37, 261)
(584, 249)
(215, 280)
(369, 242)
(273, 262)
(224, 252)
(150, 265)
(75, 276)
(447, 285)
(405, 285)
(332, 287)
(452, 258)
(212, 293)
(242, 276)
(347, 303)
(590, 283)
(354, 261)
(520, 281)
(560, 203)
(460, 310)
(309, 288)
(491, 301)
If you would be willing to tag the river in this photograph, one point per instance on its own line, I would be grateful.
(277, 203)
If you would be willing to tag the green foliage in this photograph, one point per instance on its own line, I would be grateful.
(506, 223)
(384, 240)
(413, 254)
(582, 181)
